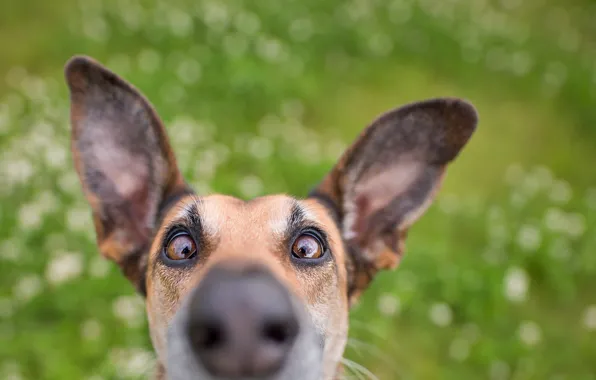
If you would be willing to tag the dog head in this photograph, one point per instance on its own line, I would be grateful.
(257, 289)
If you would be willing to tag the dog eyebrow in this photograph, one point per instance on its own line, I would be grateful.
(300, 218)
(188, 215)
(296, 218)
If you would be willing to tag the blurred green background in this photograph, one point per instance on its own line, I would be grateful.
(262, 96)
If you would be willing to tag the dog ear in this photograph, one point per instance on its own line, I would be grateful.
(124, 161)
(388, 178)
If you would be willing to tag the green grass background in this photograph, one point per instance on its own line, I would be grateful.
(261, 97)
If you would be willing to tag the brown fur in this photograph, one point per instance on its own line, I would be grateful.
(365, 205)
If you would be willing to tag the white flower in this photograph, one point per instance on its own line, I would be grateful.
(181, 24)
(247, 23)
(516, 285)
(30, 216)
(79, 219)
(139, 363)
(251, 186)
(70, 183)
(90, 330)
(10, 249)
(529, 238)
(10, 371)
(96, 28)
(576, 225)
(206, 166)
(499, 370)
(14, 172)
(459, 349)
(589, 318)
(47, 202)
(271, 50)
(129, 309)
(389, 304)
(441, 314)
(530, 333)
(99, 267)
(521, 63)
(380, 44)
(561, 192)
(555, 219)
(260, 148)
(64, 268)
(56, 156)
(28, 287)
(216, 15)
(201, 187)
(189, 71)
(544, 176)
(530, 185)
(310, 152)
(132, 362)
(571, 224)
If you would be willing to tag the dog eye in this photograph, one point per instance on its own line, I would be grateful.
(307, 247)
(181, 247)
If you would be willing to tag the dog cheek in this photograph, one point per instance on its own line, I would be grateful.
(160, 310)
(337, 325)
(157, 330)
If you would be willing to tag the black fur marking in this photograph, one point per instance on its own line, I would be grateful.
(333, 209)
(171, 200)
(134, 267)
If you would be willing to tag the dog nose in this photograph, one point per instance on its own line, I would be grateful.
(242, 324)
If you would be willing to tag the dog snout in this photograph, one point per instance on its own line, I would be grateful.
(242, 323)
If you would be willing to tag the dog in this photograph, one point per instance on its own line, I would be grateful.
(262, 288)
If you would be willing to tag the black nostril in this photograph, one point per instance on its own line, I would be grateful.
(280, 332)
(207, 335)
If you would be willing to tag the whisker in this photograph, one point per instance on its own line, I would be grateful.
(358, 369)
(359, 345)
(362, 348)
(352, 370)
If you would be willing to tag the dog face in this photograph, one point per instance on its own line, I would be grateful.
(256, 289)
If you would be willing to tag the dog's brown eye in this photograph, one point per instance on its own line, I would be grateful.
(307, 247)
(181, 247)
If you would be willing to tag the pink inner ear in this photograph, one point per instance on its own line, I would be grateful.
(374, 192)
(128, 171)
